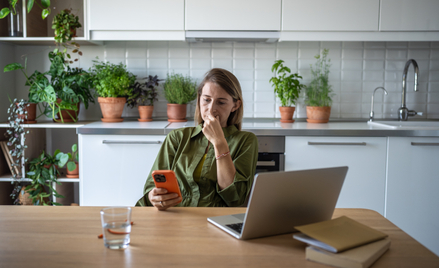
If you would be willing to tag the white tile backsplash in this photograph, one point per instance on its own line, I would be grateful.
(357, 69)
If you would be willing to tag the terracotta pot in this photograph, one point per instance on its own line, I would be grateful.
(112, 108)
(31, 114)
(74, 173)
(145, 113)
(68, 116)
(24, 199)
(286, 114)
(318, 114)
(176, 112)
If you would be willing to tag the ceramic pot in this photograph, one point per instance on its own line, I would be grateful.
(112, 108)
(286, 114)
(68, 116)
(318, 114)
(31, 109)
(74, 173)
(145, 113)
(176, 112)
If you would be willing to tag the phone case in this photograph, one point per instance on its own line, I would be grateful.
(171, 183)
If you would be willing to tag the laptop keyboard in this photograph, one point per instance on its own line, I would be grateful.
(235, 226)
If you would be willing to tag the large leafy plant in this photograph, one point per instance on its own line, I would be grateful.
(180, 89)
(319, 92)
(145, 93)
(44, 5)
(286, 85)
(43, 173)
(112, 80)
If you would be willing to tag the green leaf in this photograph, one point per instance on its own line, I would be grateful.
(45, 3)
(45, 13)
(13, 67)
(74, 147)
(4, 12)
(71, 166)
(30, 4)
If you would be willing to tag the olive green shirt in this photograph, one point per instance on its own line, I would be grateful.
(181, 152)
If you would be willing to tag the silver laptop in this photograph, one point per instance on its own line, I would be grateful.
(281, 200)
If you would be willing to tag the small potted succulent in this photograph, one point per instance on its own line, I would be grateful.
(114, 84)
(179, 91)
(72, 163)
(144, 96)
(287, 87)
(319, 92)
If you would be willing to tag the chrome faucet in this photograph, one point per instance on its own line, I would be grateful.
(371, 107)
(403, 111)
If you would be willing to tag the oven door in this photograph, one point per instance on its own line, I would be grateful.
(270, 162)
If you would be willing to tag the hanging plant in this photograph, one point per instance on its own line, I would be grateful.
(16, 139)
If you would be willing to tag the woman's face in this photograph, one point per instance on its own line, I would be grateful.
(216, 101)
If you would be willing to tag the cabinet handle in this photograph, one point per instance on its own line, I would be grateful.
(425, 144)
(337, 143)
(266, 163)
(131, 142)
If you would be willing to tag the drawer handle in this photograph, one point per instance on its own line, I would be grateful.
(337, 143)
(425, 144)
(266, 163)
(131, 142)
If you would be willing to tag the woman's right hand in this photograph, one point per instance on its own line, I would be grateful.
(162, 200)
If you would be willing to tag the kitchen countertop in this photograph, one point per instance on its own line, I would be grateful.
(264, 127)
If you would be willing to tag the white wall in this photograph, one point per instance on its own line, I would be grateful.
(7, 80)
(357, 69)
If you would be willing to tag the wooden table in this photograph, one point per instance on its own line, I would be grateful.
(180, 237)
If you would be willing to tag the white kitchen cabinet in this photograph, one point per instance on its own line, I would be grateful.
(409, 15)
(364, 186)
(412, 188)
(233, 15)
(136, 20)
(114, 168)
(330, 15)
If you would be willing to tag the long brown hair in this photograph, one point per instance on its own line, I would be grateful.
(227, 81)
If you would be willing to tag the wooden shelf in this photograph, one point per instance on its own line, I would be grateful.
(51, 124)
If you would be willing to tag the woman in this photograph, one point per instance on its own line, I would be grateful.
(215, 161)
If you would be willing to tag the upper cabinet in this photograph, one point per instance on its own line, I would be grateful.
(136, 20)
(409, 15)
(333, 15)
(233, 15)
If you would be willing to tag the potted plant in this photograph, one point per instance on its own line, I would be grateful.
(65, 24)
(72, 163)
(114, 84)
(144, 95)
(287, 87)
(319, 92)
(179, 91)
(43, 173)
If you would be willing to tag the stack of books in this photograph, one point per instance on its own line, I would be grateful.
(343, 242)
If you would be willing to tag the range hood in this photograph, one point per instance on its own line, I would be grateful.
(235, 36)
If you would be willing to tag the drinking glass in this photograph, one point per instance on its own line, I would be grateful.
(116, 227)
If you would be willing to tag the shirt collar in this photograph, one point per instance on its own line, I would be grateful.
(226, 130)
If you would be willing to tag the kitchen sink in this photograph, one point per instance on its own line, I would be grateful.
(406, 124)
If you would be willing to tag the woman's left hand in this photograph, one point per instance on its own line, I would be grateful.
(212, 129)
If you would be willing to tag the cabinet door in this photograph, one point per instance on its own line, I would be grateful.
(330, 15)
(409, 15)
(113, 168)
(364, 186)
(412, 188)
(136, 15)
(233, 15)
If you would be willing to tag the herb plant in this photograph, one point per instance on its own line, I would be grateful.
(319, 92)
(144, 94)
(180, 89)
(43, 173)
(44, 5)
(112, 80)
(287, 86)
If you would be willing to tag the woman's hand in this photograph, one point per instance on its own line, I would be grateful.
(162, 200)
(212, 130)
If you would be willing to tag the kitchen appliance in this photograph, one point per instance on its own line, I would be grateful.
(271, 153)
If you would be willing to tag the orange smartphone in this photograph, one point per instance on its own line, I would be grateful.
(166, 179)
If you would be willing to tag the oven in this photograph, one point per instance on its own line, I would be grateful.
(271, 154)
